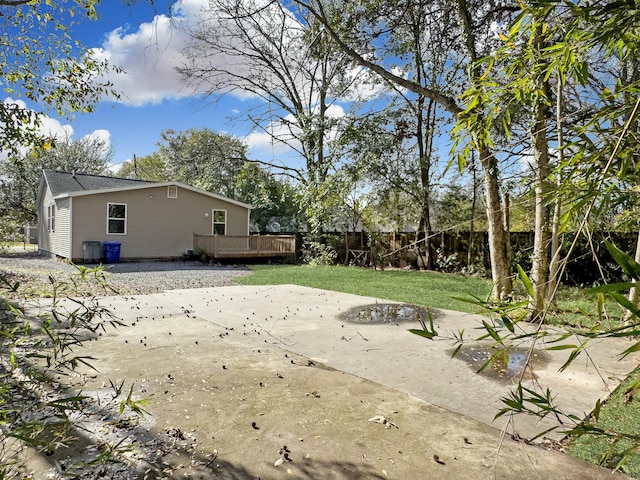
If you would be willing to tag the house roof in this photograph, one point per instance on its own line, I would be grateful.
(65, 184)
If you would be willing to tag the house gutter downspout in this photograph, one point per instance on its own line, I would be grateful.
(71, 228)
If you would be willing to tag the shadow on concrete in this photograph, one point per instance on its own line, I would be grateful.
(132, 447)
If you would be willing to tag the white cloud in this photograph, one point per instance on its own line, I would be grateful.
(148, 58)
(102, 134)
(149, 53)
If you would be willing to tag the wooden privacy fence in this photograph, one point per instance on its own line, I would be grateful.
(245, 246)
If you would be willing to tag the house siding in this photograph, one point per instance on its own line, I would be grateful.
(44, 238)
(157, 226)
(62, 235)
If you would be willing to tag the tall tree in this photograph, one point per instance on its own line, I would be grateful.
(359, 31)
(204, 159)
(19, 178)
(263, 51)
(556, 43)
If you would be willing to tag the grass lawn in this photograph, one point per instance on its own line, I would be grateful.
(438, 290)
(430, 289)
(622, 414)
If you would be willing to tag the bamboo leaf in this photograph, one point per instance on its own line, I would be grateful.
(613, 287)
(489, 67)
(561, 347)
(633, 348)
(524, 278)
(626, 262)
(492, 331)
(422, 333)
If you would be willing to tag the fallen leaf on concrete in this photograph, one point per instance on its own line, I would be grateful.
(384, 421)
(284, 456)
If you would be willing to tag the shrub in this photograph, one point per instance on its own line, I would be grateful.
(316, 253)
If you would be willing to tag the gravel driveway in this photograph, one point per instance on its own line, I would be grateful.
(134, 278)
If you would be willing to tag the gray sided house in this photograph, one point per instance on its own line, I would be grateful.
(150, 220)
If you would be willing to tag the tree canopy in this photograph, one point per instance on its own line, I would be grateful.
(41, 62)
(20, 177)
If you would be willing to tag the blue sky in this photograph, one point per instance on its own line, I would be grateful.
(145, 42)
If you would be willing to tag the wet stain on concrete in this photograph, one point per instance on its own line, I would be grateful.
(504, 366)
(392, 313)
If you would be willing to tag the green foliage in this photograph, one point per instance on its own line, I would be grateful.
(204, 159)
(274, 200)
(10, 230)
(426, 332)
(20, 176)
(40, 363)
(316, 254)
(40, 61)
(608, 435)
(610, 438)
(453, 209)
(151, 167)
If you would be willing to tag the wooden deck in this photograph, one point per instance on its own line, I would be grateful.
(241, 246)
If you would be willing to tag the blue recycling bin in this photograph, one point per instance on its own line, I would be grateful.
(111, 252)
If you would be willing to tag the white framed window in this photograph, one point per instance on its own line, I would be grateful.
(51, 217)
(172, 191)
(116, 218)
(219, 221)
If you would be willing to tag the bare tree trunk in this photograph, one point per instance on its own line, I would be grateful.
(474, 196)
(554, 265)
(506, 221)
(634, 293)
(500, 269)
(424, 133)
(540, 267)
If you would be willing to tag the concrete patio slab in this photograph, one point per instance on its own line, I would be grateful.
(250, 370)
(307, 321)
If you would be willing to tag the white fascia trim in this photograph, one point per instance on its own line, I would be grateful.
(154, 185)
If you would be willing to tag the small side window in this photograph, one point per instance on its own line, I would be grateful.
(51, 217)
(117, 218)
(172, 192)
(219, 222)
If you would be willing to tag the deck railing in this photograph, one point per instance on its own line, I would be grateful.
(235, 246)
